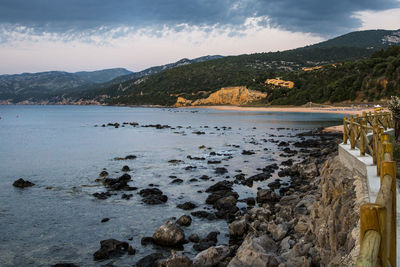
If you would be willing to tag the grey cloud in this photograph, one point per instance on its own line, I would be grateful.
(316, 16)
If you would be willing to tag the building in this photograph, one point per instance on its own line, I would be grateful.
(281, 83)
(312, 68)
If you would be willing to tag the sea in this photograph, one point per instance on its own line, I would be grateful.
(62, 150)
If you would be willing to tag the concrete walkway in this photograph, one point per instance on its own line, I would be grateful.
(364, 165)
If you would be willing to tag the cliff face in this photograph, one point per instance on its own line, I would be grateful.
(226, 96)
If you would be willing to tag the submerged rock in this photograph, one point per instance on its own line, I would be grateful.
(149, 260)
(187, 206)
(175, 260)
(184, 220)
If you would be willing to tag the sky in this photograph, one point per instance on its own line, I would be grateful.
(75, 35)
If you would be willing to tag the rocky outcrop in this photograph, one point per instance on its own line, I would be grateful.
(238, 95)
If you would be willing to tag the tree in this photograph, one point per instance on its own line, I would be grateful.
(394, 107)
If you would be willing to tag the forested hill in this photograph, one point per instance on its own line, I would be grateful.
(372, 79)
(200, 79)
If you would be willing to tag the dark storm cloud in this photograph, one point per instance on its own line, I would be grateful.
(315, 16)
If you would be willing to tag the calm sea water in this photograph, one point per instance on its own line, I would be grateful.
(59, 149)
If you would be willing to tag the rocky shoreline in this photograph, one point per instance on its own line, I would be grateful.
(306, 217)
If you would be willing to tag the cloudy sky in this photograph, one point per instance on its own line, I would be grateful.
(74, 35)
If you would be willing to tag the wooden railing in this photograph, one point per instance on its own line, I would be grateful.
(377, 220)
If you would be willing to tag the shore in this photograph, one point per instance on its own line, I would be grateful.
(334, 110)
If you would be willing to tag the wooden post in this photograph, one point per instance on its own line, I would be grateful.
(372, 217)
(374, 142)
(378, 151)
(352, 137)
(389, 169)
(362, 139)
(345, 133)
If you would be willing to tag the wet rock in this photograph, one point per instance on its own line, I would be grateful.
(283, 143)
(193, 180)
(220, 186)
(188, 168)
(169, 234)
(110, 248)
(248, 152)
(205, 177)
(194, 238)
(213, 162)
(255, 251)
(199, 132)
(187, 206)
(147, 240)
(175, 260)
(103, 174)
(105, 220)
(266, 196)
(21, 183)
(102, 195)
(177, 181)
(129, 157)
(204, 214)
(275, 184)
(149, 260)
(184, 220)
(126, 168)
(288, 162)
(153, 196)
(118, 183)
(126, 196)
(67, 264)
(211, 256)
(221, 170)
(175, 161)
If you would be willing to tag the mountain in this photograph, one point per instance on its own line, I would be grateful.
(198, 78)
(371, 39)
(102, 76)
(45, 86)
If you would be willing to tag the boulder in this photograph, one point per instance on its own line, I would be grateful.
(237, 228)
(175, 260)
(211, 256)
(187, 206)
(169, 234)
(256, 252)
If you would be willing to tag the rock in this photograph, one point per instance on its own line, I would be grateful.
(248, 152)
(147, 240)
(103, 174)
(184, 220)
(211, 256)
(153, 196)
(102, 195)
(149, 260)
(187, 206)
(169, 234)
(203, 245)
(175, 260)
(221, 170)
(204, 214)
(255, 252)
(118, 183)
(225, 203)
(237, 228)
(21, 183)
(213, 162)
(65, 265)
(278, 232)
(129, 157)
(285, 244)
(266, 196)
(224, 185)
(194, 238)
(175, 161)
(109, 248)
(126, 168)
(105, 220)
(301, 227)
(131, 250)
(205, 177)
(177, 181)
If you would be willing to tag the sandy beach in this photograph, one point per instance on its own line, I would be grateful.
(336, 110)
